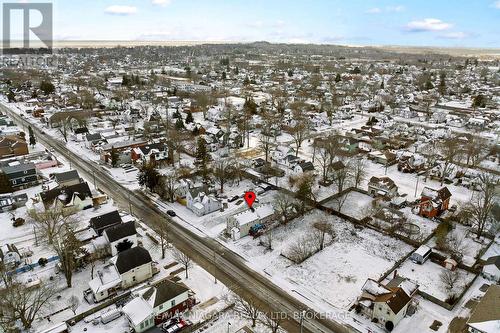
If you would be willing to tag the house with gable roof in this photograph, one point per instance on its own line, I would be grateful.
(434, 202)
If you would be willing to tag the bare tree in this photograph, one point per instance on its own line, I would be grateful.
(267, 239)
(449, 279)
(359, 171)
(168, 186)
(68, 248)
(449, 150)
(246, 307)
(342, 176)
(265, 143)
(73, 303)
(162, 230)
(480, 207)
(52, 223)
(18, 303)
(300, 130)
(324, 229)
(284, 206)
(183, 259)
(273, 320)
(64, 126)
(223, 170)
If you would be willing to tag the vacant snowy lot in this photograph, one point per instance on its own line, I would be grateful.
(353, 203)
(428, 277)
(334, 275)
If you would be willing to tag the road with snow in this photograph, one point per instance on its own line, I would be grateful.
(230, 268)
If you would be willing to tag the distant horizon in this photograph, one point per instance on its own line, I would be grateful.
(457, 24)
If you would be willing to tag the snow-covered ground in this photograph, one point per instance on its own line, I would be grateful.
(338, 272)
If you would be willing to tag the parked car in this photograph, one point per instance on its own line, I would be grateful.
(171, 213)
(233, 198)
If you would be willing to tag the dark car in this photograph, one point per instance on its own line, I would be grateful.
(171, 213)
(233, 198)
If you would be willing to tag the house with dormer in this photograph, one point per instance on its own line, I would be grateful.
(201, 203)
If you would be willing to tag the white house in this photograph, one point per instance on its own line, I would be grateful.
(242, 222)
(134, 265)
(153, 305)
(119, 235)
(386, 303)
(384, 186)
(491, 269)
(200, 203)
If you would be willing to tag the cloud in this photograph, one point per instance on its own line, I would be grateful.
(455, 35)
(428, 24)
(120, 10)
(375, 10)
(496, 4)
(162, 3)
(397, 8)
(388, 9)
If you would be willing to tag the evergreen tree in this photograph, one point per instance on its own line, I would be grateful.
(148, 176)
(189, 118)
(442, 84)
(338, 78)
(47, 87)
(382, 85)
(5, 185)
(202, 157)
(32, 136)
(356, 70)
(125, 80)
(223, 75)
(11, 97)
(179, 124)
(114, 157)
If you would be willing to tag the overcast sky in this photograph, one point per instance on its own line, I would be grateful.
(474, 23)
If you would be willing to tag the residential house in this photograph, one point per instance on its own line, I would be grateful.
(21, 175)
(434, 202)
(101, 222)
(152, 306)
(386, 303)
(74, 197)
(200, 203)
(94, 140)
(68, 178)
(121, 237)
(410, 163)
(239, 224)
(134, 265)
(280, 152)
(491, 269)
(383, 186)
(12, 145)
(304, 167)
(153, 152)
(485, 317)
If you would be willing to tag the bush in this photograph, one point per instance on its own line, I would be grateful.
(389, 325)
(18, 222)
(42, 262)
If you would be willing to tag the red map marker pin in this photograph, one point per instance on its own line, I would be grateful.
(250, 198)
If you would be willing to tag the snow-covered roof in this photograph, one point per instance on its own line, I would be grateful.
(259, 213)
(137, 310)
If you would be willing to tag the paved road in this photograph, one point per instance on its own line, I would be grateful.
(230, 268)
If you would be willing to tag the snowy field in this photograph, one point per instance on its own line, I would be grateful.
(338, 272)
(427, 276)
(353, 203)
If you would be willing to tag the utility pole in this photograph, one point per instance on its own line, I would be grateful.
(93, 174)
(416, 186)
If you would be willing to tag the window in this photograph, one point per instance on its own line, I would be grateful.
(380, 308)
(161, 307)
(173, 303)
(133, 278)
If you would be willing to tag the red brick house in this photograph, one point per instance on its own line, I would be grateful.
(434, 202)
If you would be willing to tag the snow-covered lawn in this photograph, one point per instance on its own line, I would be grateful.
(355, 204)
(334, 275)
(428, 277)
